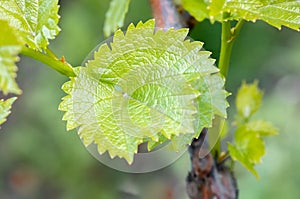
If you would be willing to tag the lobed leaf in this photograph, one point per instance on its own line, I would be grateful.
(5, 107)
(10, 46)
(275, 12)
(114, 17)
(142, 87)
(35, 20)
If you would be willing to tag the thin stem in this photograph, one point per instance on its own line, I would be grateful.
(227, 39)
(63, 68)
(236, 30)
(226, 48)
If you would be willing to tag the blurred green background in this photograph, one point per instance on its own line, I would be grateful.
(39, 159)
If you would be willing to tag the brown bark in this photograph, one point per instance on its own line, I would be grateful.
(166, 15)
(207, 179)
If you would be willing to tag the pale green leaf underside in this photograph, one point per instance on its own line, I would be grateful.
(35, 20)
(5, 107)
(114, 17)
(275, 12)
(139, 89)
(10, 47)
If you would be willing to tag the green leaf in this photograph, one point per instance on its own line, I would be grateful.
(275, 12)
(211, 102)
(5, 107)
(10, 46)
(248, 99)
(263, 128)
(114, 17)
(236, 154)
(203, 9)
(250, 143)
(35, 20)
(248, 149)
(139, 88)
(198, 9)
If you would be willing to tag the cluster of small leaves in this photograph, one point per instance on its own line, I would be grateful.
(275, 12)
(249, 147)
(23, 23)
(146, 86)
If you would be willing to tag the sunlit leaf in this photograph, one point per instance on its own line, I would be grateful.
(10, 46)
(5, 107)
(35, 20)
(211, 102)
(141, 88)
(275, 12)
(114, 17)
(198, 9)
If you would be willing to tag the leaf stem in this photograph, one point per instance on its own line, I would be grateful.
(227, 39)
(50, 60)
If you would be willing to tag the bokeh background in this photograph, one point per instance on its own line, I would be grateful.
(39, 159)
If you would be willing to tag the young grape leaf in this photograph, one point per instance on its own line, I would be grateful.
(248, 99)
(249, 146)
(114, 17)
(262, 127)
(10, 46)
(138, 88)
(275, 12)
(5, 107)
(35, 20)
(237, 154)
